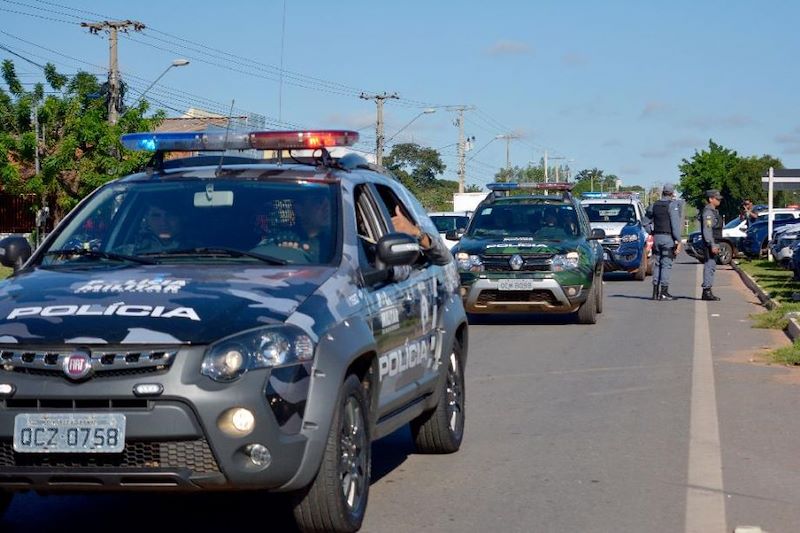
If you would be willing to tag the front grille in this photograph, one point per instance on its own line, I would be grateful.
(532, 263)
(535, 296)
(195, 455)
(76, 405)
(611, 247)
(105, 363)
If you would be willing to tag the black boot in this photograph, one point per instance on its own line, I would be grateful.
(665, 295)
(656, 292)
(708, 295)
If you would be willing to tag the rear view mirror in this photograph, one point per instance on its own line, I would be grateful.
(597, 234)
(396, 249)
(211, 198)
(454, 234)
(14, 251)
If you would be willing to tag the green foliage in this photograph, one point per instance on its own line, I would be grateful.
(417, 167)
(721, 168)
(80, 151)
(788, 355)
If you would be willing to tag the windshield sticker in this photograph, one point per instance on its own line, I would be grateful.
(118, 309)
(154, 285)
(486, 211)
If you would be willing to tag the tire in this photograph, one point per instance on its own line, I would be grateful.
(337, 498)
(5, 501)
(641, 273)
(587, 312)
(600, 293)
(725, 253)
(442, 430)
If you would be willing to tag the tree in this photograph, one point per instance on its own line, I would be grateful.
(723, 169)
(416, 167)
(79, 149)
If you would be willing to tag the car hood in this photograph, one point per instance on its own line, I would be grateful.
(612, 229)
(151, 304)
(514, 245)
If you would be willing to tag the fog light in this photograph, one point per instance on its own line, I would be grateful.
(7, 389)
(148, 389)
(259, 454)
(572, 290)
(237, 422)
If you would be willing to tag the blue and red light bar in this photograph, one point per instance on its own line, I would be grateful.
(510, 186)
(219, 140)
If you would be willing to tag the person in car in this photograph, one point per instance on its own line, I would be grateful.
(551, 228)
(161, 230)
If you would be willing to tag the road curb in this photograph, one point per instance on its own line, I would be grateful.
(793, 329)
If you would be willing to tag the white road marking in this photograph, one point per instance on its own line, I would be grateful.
(705, 499)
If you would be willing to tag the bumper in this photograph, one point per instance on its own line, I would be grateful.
(172, 442)
(547, 296)
(623, 257)
(782, 254)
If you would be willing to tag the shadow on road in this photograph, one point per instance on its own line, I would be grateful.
(648, 297)
(521, 319)
(390, 452)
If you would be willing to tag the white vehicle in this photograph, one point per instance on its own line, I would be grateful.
(783, 240)
(450, 221)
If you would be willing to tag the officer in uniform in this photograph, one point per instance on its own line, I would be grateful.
(711, 223)
(665, 216)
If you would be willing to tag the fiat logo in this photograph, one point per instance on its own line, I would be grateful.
(77, 366)
(516, 262)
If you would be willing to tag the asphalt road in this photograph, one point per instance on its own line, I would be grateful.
(661, 417)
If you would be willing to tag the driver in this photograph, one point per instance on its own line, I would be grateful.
(312, 232)
(161, 230)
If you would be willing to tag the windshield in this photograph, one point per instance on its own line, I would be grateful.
(539, 220)
(445, 223)
(733, 224)
(611, 213)
(279, 222)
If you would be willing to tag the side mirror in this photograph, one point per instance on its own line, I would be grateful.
(454, 234)
(396, 249)
(14, 251)
(597, 234)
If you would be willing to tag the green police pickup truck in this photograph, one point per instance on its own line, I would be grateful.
(531, 254)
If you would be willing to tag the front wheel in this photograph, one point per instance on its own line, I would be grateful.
(587, 312)
(725, 253)
(337, 498)
(442, 430)
(641, 272)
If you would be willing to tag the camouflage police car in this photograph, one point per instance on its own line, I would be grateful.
(233, 326)
(531, 253)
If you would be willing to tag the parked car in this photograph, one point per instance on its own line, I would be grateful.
(531, 253)
(450, 221)
(627, 245)
(756, 239)
(733, 235)
(260, 340)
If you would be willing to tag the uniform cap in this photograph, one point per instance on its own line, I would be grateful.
(713, 193)
(669, 189)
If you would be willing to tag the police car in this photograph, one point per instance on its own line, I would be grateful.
(226, 323)
(531, 253)
(450, 221)
(627, 246)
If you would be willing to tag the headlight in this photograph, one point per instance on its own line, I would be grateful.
(267, 347)
(565, 261)
(470, 263)
(633, 237)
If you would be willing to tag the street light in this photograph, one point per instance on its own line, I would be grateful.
(426, 111)
(175, 63)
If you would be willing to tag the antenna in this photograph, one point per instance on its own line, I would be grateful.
(225, 142)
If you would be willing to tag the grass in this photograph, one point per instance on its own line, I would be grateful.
(5, 272)
(788, 355)
(777, 282)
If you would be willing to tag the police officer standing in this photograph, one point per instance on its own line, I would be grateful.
(665, 215)
(711, 223)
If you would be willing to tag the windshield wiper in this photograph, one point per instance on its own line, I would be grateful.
(101, 255)
(230, 252)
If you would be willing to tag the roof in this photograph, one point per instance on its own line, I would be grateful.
(608, 201)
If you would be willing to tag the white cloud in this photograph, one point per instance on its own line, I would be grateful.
(509, 48)
(653, 107)
(574, 60)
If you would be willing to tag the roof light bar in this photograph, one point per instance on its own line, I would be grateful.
(220, 140)
(499, 186)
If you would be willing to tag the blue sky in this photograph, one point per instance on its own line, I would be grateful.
(626, 86)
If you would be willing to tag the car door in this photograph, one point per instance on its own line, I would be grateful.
(392, 309)
(420, 295)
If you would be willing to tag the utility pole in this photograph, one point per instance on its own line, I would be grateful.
(558, 166)
(545, 167)
(35, 113)
(462, 143)
(113, 27)
(379, 99)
